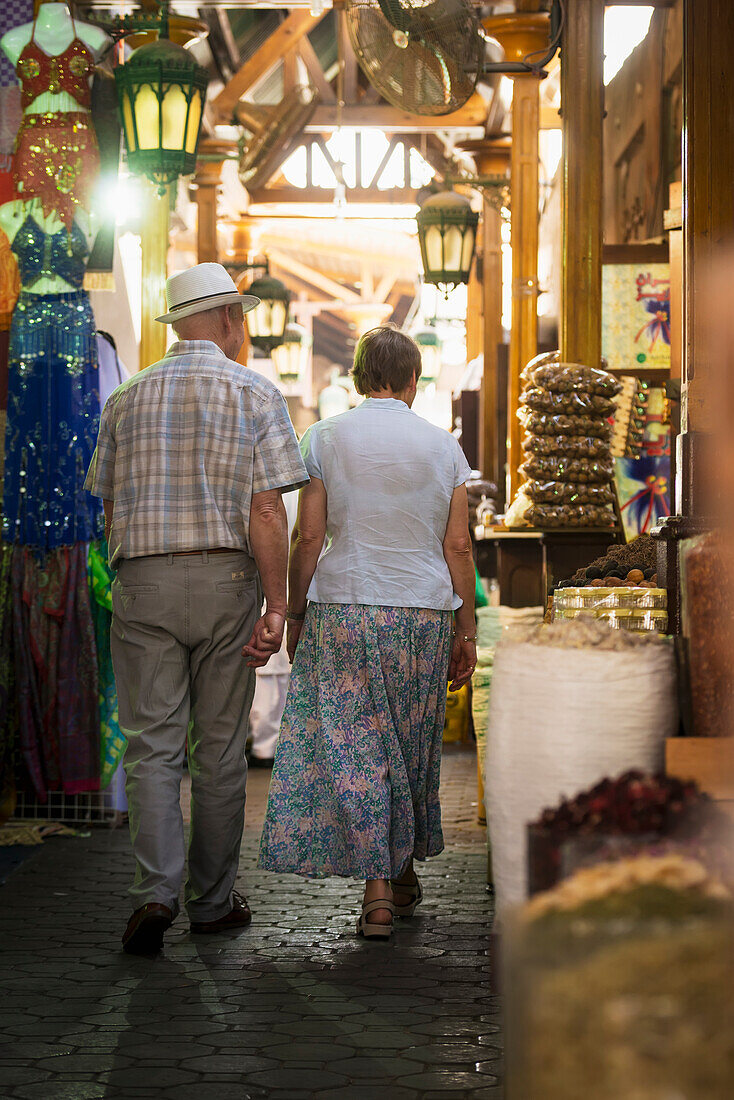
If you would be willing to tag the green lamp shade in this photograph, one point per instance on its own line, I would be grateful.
(266, 323)
(291, 357)
(161, 92)
(429, 343)
(447, 231)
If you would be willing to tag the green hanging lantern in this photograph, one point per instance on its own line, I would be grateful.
(447, 231)
(429, 343)
(161, 92)
(266, 323)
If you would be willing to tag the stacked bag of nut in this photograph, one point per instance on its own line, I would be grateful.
(567, 468)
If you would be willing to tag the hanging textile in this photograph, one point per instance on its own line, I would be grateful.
(8, 706)
(112, 738)
(53, 398)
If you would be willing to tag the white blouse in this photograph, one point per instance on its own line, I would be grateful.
(389, 478)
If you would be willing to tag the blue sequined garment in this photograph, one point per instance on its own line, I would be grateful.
(53, 416)
(42, 255)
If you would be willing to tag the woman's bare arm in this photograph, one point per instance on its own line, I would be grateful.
(457, 550)
(306, 544)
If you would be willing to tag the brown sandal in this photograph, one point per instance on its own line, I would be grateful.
(369, 929)
(414, 890)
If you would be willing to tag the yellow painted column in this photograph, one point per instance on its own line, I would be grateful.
(582, 108)
(154, 246)
(521, 35)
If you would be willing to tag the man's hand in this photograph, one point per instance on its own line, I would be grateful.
(294, 636)
(463, 662)
(267, 638)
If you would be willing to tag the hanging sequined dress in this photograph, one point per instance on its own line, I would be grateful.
(56, 155)
(53, 397)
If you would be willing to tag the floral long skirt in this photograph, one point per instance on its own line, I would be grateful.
(354, 790)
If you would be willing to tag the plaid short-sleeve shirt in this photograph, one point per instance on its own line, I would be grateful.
(182, 448)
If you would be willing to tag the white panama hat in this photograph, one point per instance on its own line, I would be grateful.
(205, 286)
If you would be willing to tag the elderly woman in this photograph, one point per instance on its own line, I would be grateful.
(377, 625)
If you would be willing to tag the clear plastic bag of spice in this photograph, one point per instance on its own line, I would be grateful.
(559, 468)
(574, 403)
(565, 492)
(568, 377)
(560, 424)
(572, 446)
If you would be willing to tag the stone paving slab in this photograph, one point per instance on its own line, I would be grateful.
(295, 1006)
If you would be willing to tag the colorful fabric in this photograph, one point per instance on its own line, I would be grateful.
(78, 706)
(389, 477)
(55, 661)
(56, 160)
(354, 790)
(41, 255)
(8, 707)
(113, 739)
(9, 283)
(70, 71)
(182, 448)
(52, 419)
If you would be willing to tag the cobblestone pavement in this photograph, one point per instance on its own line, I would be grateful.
(295, 1006)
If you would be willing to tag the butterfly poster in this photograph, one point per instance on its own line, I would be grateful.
(636, 316)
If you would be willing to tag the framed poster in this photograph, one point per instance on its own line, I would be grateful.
(636, 316)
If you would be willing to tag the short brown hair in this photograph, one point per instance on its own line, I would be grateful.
(385, 358)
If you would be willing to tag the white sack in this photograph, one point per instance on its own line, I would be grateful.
(559, 721)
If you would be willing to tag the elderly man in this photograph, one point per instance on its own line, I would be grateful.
(192, 458)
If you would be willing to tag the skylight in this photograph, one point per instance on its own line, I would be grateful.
(624, 29)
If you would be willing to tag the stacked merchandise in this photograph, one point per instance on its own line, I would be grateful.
(568, 469)
(621, 588)
(629, 418)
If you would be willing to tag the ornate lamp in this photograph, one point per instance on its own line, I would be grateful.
(161, 91)
(291, 357)
(447, 231)
(266, 323)
(429, 343)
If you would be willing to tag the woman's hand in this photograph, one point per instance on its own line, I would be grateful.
(463, 662)
(292, 638)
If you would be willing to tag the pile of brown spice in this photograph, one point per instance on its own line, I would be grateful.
(640, 553)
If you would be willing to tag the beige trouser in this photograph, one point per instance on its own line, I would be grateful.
(178, 627)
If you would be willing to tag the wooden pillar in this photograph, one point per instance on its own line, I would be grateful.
(708, 214)
(582, 109)
(207, 184)
(520, 35)
(154, 248)
(212, 155)
(492, 464)
(492, 160)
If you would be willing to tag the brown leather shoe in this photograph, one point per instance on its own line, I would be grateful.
(238, 917)
(144, 932)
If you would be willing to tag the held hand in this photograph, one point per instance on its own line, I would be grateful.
(462, 664)
(267, 638)
(294, 635)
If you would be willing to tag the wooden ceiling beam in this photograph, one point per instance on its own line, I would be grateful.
(471, 116)
(384, 261)
(290, 32)
(309, 275)
(315, 72)
(326, 195)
